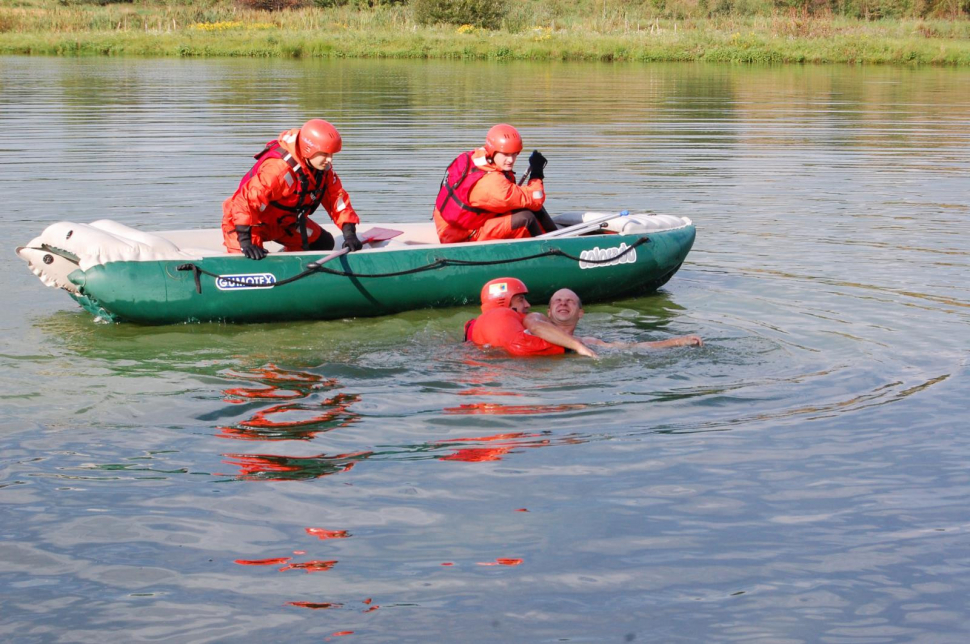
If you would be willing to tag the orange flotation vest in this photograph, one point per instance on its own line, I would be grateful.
(503, 328)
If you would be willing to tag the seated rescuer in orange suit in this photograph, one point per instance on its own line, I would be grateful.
(506, 323)
(293, 175)
(479, 199)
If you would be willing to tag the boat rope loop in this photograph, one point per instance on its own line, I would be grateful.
(438, 263)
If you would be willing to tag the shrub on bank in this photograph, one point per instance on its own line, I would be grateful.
(875, 9)
(271, 5)
(487, 14)
(67, 3)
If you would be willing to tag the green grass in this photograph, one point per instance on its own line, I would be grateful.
(219, 28)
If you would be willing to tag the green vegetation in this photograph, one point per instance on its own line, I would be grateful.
(764, 31)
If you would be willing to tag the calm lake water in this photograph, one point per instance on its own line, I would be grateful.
(803, 477)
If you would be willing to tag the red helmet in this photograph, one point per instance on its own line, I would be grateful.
(499, 292)
(318, 135)
(503, 138)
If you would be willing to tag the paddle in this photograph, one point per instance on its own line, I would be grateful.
(312, 266)
(371, 236)
(582, 227)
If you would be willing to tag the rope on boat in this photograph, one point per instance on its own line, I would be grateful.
(438, 263)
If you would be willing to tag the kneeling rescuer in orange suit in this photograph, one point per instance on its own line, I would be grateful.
(293, 175)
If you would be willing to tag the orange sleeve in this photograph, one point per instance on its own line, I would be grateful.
(268, 185)
(495, 193)
(336, 201)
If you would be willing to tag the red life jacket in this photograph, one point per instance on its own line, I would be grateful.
(503, 328)
(300, 204)
(452, 202)
(469, 326)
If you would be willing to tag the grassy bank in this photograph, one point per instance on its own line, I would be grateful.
(222, 28)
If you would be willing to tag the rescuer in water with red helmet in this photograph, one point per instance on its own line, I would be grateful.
(480, 200)
(506, 323)
(293, 175)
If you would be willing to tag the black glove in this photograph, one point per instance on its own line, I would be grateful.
(245, 236)
(350, 237)
(537, 164)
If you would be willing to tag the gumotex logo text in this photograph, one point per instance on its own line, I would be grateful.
(598, 255)
(245, 281)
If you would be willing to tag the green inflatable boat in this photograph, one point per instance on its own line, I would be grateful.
(121, 274)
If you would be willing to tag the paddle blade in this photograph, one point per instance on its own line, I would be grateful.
(378, 235)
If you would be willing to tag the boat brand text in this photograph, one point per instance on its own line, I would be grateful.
(245, 281)
(600, 255)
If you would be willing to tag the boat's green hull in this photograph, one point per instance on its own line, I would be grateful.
(157, 292)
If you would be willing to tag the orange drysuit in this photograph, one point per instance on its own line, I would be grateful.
(276, 190)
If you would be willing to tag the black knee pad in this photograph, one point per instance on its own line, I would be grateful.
(323, 242)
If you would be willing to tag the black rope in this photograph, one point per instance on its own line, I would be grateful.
(438, 263)
(232, 280)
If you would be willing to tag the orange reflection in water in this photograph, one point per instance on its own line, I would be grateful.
(493, 437)
(286, 421)
(485, 379)
(310, 566)
(501, 562)
(271, 374)
(477, 454)
(320, 533)
(277, 383)
(271, 467)
(243, 393)
(332, 408)
(295, 421)
(262, 562)
(492, 452)
(481, 391)
(497, 409)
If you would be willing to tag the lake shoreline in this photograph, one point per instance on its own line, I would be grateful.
(119, 30)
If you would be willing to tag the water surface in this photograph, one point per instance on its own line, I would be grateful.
(800, 478)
